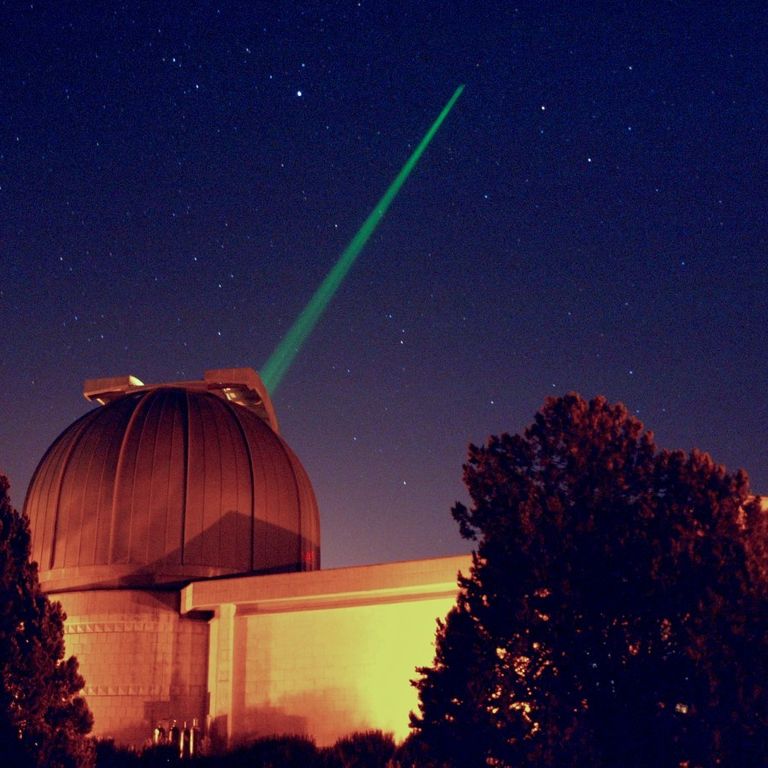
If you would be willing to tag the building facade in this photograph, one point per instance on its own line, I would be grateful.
(181, 535)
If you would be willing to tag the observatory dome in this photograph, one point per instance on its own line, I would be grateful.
(167, 483)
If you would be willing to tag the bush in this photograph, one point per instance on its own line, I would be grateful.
(412, 753)
(274, 752)
(108, 755)
(365, 749)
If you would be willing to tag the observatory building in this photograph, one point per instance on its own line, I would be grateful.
(182, 537)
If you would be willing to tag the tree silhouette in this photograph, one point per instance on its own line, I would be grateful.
(616, 612)
(43, 721)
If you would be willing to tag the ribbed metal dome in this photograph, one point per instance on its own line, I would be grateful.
(166, 484)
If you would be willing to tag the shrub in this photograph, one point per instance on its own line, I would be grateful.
(274, 752)
(365, 749)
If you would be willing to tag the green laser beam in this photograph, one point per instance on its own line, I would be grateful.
(279, 361)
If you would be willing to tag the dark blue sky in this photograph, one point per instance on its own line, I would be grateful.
(177, 178)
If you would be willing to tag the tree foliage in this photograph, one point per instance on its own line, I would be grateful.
(43, 721)
(616, 610)
(365, 749)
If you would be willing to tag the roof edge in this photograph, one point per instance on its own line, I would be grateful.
(242, 386)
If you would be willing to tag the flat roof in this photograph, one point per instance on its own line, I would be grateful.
(328, 588)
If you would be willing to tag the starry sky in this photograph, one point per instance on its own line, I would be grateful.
(177, 178)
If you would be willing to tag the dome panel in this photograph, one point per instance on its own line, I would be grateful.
(80, 483)
(129, 497)
(168, 483)
(166, 492)
(219, 497)
(237, 493)
(275, 477)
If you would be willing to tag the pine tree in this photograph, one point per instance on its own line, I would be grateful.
(43, 721)
(616, 612)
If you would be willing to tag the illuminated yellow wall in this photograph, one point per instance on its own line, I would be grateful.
(329, 672)
(323, 653)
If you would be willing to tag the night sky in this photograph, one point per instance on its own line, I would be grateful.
(177, 178)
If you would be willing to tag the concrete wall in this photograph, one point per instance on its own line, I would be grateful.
(320, 653)
(330, 672)
(142, 662)
(323, 653)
